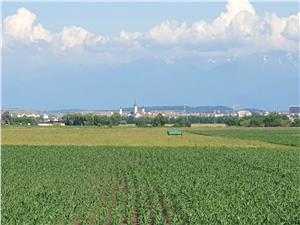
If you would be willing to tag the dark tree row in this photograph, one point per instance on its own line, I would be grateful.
(271, 120)
(6, 118)
(115, 119)
(75, 119)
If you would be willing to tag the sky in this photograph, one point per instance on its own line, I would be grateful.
(106, 55)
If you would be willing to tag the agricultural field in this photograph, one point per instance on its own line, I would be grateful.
(188, 180)
(284, 136)
(123, 136)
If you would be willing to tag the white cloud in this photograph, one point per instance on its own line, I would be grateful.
(169, 32)
(238, 30)
(129, 37)
(20, 27)
(40, 33)
(73, 36)
(238, 27)
(239, 17)
(291, 30)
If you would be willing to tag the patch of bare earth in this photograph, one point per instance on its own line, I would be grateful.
(77, 222)
(114, 200)
(136, 213)
(82, 193)
(124, 214)
(102, 199)
(178, 211)
(164, 210)
(150, 207)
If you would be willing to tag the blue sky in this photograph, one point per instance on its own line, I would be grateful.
(105, 55)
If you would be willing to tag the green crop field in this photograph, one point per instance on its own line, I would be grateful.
(137, 176)
(283, 136)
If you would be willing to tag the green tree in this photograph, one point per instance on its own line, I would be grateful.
(296, 122)
(257, 121)
(245, 122)
(159, 120)
(5, 118)
(272, 120)
(115, 119)
(88, 120)
(232, 121)
(182, 122)
(141, 122)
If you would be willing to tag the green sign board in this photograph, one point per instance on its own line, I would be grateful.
(174, 132)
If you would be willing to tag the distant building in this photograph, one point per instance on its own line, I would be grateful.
(294, 109)
(135, 108)
(120, 111)
(136, 113)
(33, 115)
(243, 113)
(53, 122)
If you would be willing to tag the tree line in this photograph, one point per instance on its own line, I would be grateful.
(116, 119)
(6, 118)
(76, 119)
(271, 120)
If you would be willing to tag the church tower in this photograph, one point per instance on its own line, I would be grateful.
(135, 108)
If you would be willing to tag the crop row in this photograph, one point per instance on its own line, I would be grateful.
(153, 186)
(282, 136)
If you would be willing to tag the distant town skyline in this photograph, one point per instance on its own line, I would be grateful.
(104, 55)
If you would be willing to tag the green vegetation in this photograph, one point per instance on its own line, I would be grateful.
(119, 136)
(271, 120)
(128, 175)
(283, 136)
(6, 119)
(89, 119)
(110, 185)
(116, 119)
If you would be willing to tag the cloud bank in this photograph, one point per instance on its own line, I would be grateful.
(237, 31)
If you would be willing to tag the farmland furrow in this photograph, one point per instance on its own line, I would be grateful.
(150, 207)
(83, 192)
(164, 210)
(102, 199)
(124, 218)
(136, 214)
(108, 220)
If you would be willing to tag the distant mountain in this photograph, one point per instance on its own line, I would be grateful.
(183, 108)
(254, 111)
(176, 108)
(269, 81)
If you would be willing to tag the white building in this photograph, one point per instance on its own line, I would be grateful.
(45, 117)
(135, 108)
(243, 113)
(136, 113)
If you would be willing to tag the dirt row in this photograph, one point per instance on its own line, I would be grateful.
(104, 196)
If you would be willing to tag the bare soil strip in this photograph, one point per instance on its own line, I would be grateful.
(114, 201)
(124, 218)
(150, 207)
(163, 208)
(102, 199)
(77, 222)
(178, 211)
(82, 193)
(136, 214)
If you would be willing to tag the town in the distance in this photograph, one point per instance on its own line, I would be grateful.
(181, 116)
